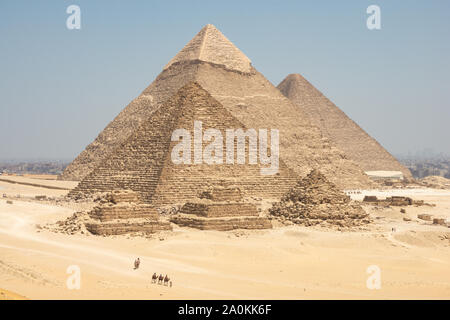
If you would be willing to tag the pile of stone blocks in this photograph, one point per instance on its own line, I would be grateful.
(122, 212)
(424, 216)
(223, 209)
(440, 221)
(315, 200)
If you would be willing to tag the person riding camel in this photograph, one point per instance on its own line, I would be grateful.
(166, 280)
(137, 262)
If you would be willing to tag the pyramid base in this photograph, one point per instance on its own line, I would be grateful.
(221, 224)
(124, 227)
(219, 210)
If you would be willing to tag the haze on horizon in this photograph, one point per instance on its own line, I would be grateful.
(61, 87)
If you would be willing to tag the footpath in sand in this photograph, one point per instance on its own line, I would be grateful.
(287, 262)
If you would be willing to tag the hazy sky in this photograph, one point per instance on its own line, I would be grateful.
(59, 88)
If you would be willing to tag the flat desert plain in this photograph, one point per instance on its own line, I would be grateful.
(287, 262)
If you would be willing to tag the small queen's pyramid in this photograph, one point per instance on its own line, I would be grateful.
(314, 200)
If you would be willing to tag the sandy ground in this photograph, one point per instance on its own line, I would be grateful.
(26, 185)
(289, 262)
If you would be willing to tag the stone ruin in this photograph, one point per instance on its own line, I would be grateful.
(121, 212)
(394, 201)
(223, 209)
(315, 200)
(436, 221)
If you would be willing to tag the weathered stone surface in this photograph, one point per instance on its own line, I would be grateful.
(211, 46)
(393, 201)
(113, 212)
(436, 182)
(370, 199)
(118, 196)
(440, 221)
(127, 226)
(222, 194)
(315, 200)
(338, 127)
(120, 212)
(426, 217)
(247, 96)
(211, 209)
(222, 224)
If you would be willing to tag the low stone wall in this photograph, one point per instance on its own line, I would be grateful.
(33, 184)
(222, 224)
(108, 213)
(219, 209)
(393, 201)
(119, 228)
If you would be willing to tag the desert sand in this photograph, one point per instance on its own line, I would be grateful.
(287, 262)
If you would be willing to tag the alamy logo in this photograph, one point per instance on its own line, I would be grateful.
(74, 280)
(374, 20)
(235, 139)
(74, 20)
(374, 280)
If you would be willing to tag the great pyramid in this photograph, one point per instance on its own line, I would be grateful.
(227, 75)
(338, 127)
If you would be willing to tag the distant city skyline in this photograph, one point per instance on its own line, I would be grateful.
(61, 87)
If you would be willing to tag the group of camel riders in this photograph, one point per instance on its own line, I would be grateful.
(161, 280)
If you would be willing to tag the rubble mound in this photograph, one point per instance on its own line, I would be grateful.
(75, 224)
(435, 182)
(315, 200)
(117, 212)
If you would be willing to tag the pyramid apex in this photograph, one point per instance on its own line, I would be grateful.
(293, 84)
(295, 77)
(209, 25)
(210, 45)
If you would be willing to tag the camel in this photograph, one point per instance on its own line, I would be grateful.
(137, 262)
(154, 277)
(160, 279)
(166, 280)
